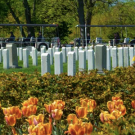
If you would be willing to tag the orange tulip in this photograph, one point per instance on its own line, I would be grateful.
(110, 106)
(115, 98)
(39, 119)
(33, 109)
(15, 110)
(6, 111)
(121, 108)
(116, 114)
(48, 128)
(84, 102)
(91, 105)
(33, 101)
(58, 104)
(72, 119)
(31, 119)
(29, 110)
(106, 117)
(14, 131)
(30, 128)
(49, 108)
(88, 128)
(0, 106)
(26, 103)
(81, 112)
(41, 129)
(25, 111)
(76, 129)
(10, 120)
(118, 102)
(56, 114)
(133, 104)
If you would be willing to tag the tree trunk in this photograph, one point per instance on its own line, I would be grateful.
(28, 17)
(81, 19)
(89, 7)
(15, 17)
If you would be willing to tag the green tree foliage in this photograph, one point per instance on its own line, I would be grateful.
(69, 13)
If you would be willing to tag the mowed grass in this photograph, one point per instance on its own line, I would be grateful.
(31, 69)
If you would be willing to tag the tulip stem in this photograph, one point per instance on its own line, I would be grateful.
(57, 128)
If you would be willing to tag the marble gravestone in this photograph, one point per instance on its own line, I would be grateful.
(13, 59)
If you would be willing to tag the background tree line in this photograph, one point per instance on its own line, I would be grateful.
(67, 14)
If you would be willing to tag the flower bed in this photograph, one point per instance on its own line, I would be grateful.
(93, 89)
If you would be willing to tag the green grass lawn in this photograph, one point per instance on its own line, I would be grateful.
(31, 69)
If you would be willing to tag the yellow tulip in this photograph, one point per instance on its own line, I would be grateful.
(133, 59)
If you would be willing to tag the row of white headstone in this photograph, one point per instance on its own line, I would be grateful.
(98, 59)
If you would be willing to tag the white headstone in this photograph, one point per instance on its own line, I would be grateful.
(53, 50)
(45, 63)
(76, 53)
(25, 58)
(131, 52)
(57, 49)
(126, 57)
(114, 58)
(121, 57)
(108, 59)
(5, 58)
(35, 58)
(91, 47)
(64, 54)
(91, 60)
(13, 59)
(20, 53)
(58, 63)
(80, 48)
(2, 48)
(110, 50)
(50, 51)
(71, 64)
(43, 50)
(82, 60)
(100, 58)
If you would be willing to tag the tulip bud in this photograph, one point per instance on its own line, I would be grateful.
(133, 104)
